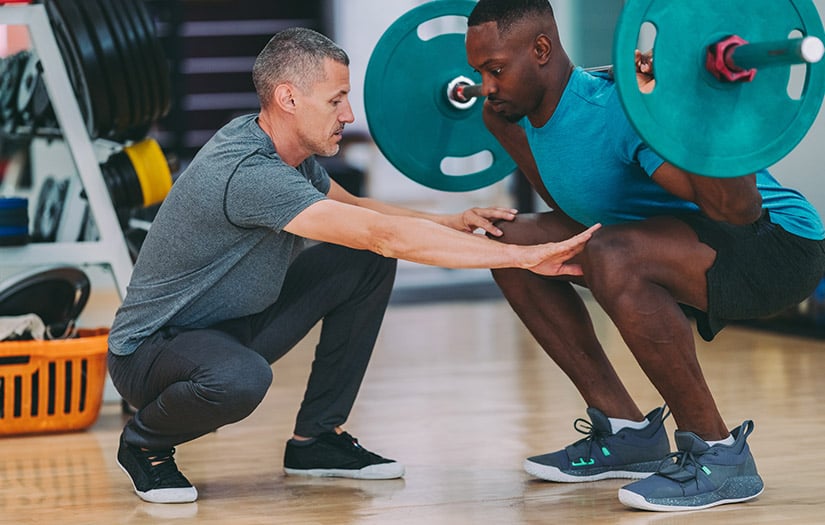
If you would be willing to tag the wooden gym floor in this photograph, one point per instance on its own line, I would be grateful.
(460, 393)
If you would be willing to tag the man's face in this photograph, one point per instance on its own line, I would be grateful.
(508, 71)
(324, 111)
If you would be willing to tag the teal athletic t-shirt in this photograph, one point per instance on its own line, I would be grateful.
(598, 170)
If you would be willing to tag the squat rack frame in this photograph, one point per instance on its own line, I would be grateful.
(110, 250)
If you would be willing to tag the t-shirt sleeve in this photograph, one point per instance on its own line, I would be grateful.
(648, 159)
(636, 150)
(267, 193)
(316, 174)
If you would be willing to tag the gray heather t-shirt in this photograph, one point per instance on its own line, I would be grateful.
(216, 249)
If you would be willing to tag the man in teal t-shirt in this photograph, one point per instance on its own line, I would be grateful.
(674, 246)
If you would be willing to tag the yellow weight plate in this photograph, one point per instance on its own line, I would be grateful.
(152, 170)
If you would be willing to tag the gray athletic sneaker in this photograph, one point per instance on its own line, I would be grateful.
(699, 476)
(629, 453)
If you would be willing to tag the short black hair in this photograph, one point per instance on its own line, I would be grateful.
(505, 13)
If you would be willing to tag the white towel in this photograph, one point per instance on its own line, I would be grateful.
(22, 327)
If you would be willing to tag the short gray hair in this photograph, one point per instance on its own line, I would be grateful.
(294, 55)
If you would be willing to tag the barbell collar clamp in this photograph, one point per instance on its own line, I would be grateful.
(462, 92)
(734, 59)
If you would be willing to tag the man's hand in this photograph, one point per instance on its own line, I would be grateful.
(644, 71)
(480, 219)
(554, 255)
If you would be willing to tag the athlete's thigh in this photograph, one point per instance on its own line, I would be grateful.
(538, 228)
(662, 250)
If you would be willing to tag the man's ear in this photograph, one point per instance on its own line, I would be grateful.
(543, 47)
(283, 98)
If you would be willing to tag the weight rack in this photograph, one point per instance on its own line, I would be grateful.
(110, 250)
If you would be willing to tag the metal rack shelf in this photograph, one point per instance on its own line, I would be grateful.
(110, 249)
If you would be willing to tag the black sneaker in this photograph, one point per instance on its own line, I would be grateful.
(159, 483)
(340, 456)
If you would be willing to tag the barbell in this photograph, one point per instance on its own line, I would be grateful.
(721, 106)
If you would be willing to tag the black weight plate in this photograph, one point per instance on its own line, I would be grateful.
(49, 210)
(11, 76)
(131, 75)
(111, 63)
(26, 85)
(115, 180)
(72, 63)
(135, 60)
(40, 103)
(135, 36)
(142, 41)
(114, 184)
(79, 52)
(57, 295)
(161, 65)
(131, 192)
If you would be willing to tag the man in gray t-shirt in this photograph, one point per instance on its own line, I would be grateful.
(222, 287)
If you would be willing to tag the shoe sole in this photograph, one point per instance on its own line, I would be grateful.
(180, 495)
(549, 473)
(379, 471)
(637, 501)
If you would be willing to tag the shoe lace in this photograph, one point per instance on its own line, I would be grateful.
(593, 436)
(598, 437)
(683, 466)
(355, 445)
(163, 470)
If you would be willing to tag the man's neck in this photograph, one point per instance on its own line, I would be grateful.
(282, 140)
(558, 78)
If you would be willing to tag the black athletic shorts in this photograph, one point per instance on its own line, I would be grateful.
(760, 270)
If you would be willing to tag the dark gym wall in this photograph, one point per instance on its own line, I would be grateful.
(211, 46)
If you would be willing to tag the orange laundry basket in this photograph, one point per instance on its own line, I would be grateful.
(52, 386)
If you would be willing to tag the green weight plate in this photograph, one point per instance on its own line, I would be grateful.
(408, 114)
(697, 122)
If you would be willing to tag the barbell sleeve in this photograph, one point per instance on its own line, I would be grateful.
(807, 50)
